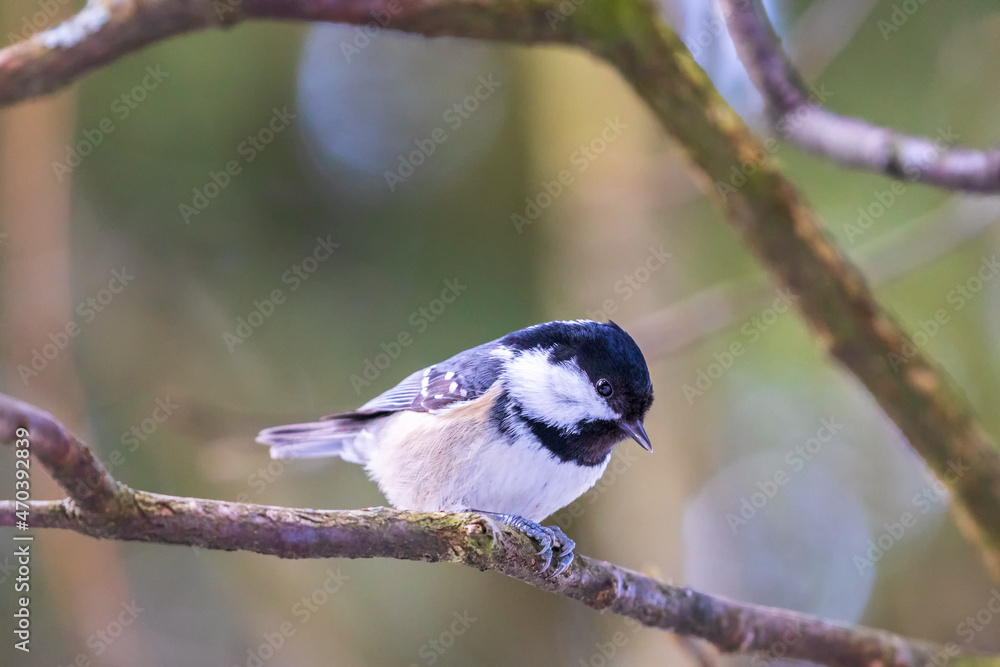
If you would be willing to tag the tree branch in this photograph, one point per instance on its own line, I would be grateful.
(831, 294)
(101, 507)
(850, 142)
(70, 463)
(105, 30)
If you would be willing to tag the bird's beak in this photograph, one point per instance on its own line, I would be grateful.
(637, 433)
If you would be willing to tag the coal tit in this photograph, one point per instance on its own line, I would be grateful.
(514, 429)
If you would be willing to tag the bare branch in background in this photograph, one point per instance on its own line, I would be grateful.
(114, 511)
(850, 142)
(106, 30)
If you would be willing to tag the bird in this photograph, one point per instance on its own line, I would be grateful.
(513, 429)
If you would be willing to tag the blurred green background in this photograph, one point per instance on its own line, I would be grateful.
(549, 197)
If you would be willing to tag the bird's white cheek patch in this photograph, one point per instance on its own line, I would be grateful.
(560, 395)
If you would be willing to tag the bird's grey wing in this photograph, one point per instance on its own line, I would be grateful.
(464, 377)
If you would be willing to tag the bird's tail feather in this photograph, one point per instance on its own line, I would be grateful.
(315, 439)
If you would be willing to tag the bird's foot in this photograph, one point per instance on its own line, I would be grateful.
(553, 540)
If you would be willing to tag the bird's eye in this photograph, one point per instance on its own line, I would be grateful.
(604, 388)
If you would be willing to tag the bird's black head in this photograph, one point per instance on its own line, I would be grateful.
(581, 385)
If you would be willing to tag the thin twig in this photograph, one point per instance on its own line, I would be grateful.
(850, 142)
(430, 536)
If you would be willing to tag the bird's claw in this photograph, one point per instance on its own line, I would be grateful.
(554, 543)
(553, 540)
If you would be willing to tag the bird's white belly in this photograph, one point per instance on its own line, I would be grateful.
(524, 478)
(426, 462)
